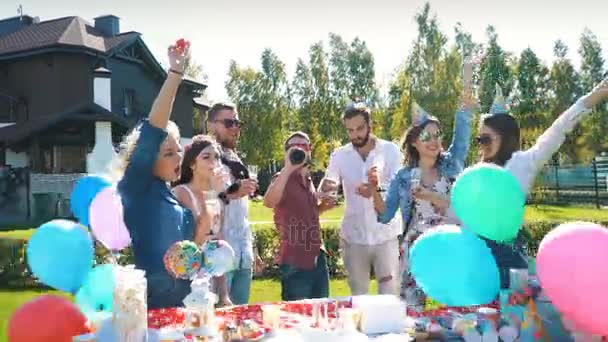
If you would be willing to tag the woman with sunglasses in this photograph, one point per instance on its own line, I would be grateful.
(202, 178)
(499, 143)
(421, 188)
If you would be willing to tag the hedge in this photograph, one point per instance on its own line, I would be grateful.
(14, 272)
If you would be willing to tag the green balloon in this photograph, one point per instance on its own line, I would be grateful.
(489, 201)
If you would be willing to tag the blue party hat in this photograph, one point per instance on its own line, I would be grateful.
(420, 116)
(499, 106)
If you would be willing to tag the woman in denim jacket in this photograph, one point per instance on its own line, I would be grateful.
(421, 188)
(499, 141)
(149, 160)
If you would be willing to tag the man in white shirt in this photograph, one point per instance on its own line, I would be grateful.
(365, 242)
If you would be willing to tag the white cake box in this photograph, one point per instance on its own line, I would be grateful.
(380, 314)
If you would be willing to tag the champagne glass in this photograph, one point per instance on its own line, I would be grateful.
(253, 175)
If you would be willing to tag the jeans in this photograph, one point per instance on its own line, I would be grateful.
(304, 284)
(238, 283)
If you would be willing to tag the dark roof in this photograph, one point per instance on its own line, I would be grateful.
(68, 31)
(85, 112)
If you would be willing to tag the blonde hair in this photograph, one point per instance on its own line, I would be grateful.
(118, 166)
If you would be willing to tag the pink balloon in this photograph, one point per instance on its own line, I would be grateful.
(106, 219)
(572, 266)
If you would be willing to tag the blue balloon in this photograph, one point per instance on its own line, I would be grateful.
(83, 194)
(455, 267)
(96, 294)
(60, 253)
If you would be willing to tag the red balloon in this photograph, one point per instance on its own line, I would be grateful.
(47, 318)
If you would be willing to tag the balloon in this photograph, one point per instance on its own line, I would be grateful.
(83, 194)
(47, 318)
(183, 259)
(106, 219)
(571, 266)
(454, 267)
(219, 257)
(60, 253)
(96, 295)
(489, 201)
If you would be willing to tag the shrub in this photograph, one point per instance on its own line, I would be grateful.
(14, 272)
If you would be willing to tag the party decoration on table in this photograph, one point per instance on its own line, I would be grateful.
(46, 318)
(183, 259)
(454, 267)
(200, 309)
(219, 257)
(95, 297)
(578, 250)
(60, 254)
(497, 214)
(83, 194)
(130, 318)
(106, 219)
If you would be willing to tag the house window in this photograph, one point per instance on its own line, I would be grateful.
(70, 159)
(2, 156)
(129, 105)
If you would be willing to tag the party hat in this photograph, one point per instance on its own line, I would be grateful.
(420, 116)
(499, 106)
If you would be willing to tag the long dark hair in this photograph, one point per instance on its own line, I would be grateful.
(411, 154)
(191, 151)
(507, 128)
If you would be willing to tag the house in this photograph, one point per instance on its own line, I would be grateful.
(69, 91)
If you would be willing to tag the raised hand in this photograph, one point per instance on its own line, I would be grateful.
(468, 97)
(372, 176)
(598, 95)
(177, 55)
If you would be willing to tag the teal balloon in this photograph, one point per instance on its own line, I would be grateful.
(454, 267)
(95, 297)
(60, 254)
(489, 200)
(83, 194)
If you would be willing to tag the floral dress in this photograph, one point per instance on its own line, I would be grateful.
(424, 217)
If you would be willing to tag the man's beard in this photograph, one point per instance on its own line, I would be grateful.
(363, 142)
(227, 142)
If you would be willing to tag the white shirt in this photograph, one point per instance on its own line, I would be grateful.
(360, 223)
(525, 165)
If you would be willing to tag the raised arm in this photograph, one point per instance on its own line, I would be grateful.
(551, 140)
(163, 105)
(459, 148)
(139, 171)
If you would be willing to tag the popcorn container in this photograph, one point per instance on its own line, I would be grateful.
(130, 316)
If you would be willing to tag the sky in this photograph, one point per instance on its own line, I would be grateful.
(225, 30)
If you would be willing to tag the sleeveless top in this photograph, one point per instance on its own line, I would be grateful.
(197, 210)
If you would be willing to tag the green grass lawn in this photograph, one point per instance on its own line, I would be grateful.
(263, 290)
(259, 213)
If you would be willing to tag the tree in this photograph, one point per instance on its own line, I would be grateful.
(530, 94)
(564, 90)
(592, 72)
(195, 71)
(494, 70)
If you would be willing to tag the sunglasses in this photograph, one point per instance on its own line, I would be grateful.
(426, 137)
(229, 123)
(305, 147)
(484, 139)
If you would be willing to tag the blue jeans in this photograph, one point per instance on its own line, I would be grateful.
(303, 284)
(239, 285)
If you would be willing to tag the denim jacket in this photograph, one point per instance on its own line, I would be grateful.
(154, 218)
(450, 164)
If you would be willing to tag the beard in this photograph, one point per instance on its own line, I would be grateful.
(360, 142)
(227, 141)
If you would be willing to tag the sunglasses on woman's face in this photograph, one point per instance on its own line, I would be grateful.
(426, 136)
(229, 123)
(484, 139)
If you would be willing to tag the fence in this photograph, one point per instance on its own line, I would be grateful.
(561, 184)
